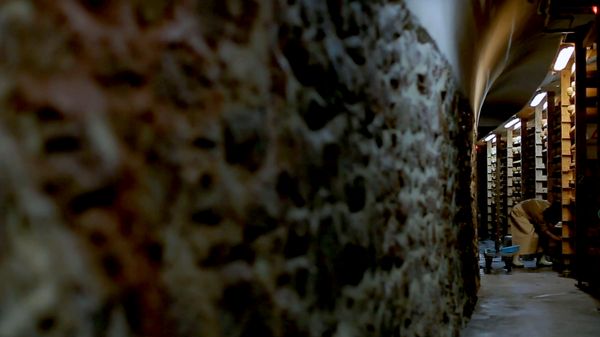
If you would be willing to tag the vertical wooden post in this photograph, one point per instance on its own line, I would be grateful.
(580, 152)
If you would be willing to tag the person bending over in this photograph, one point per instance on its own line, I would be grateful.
(530, 224)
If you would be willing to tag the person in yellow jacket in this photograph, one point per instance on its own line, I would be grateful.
(530, 224)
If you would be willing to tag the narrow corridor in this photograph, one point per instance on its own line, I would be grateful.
(295, 168)
(532, 302)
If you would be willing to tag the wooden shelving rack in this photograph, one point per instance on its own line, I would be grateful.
(513, 167)
(567, 132)
(587, 168)
(533, 153)
(540, 126)
(528, 157)
(502, 183)
(492, 187)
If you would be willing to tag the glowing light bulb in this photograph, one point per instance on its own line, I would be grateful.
(563, 58)
(537, 99)
(511, 123)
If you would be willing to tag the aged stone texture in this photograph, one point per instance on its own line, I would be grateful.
(230, 168)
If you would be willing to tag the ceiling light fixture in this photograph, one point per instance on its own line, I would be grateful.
(563, 58)
(537, 99)
(517, 126)
(545, 106)
(489, 137)
(511, 123)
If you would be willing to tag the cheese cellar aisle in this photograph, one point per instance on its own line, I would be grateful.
(549, 150)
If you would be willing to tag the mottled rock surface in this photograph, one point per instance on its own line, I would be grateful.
(230, 168)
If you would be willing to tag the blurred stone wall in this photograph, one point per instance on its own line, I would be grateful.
(230, 168)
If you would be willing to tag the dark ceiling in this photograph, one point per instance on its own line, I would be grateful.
(501, 50)
(531, 56)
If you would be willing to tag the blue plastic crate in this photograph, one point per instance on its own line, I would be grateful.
(509, 250)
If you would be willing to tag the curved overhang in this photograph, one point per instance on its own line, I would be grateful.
(500, 51)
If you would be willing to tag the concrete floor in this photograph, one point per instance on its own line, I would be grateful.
(532, 302)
